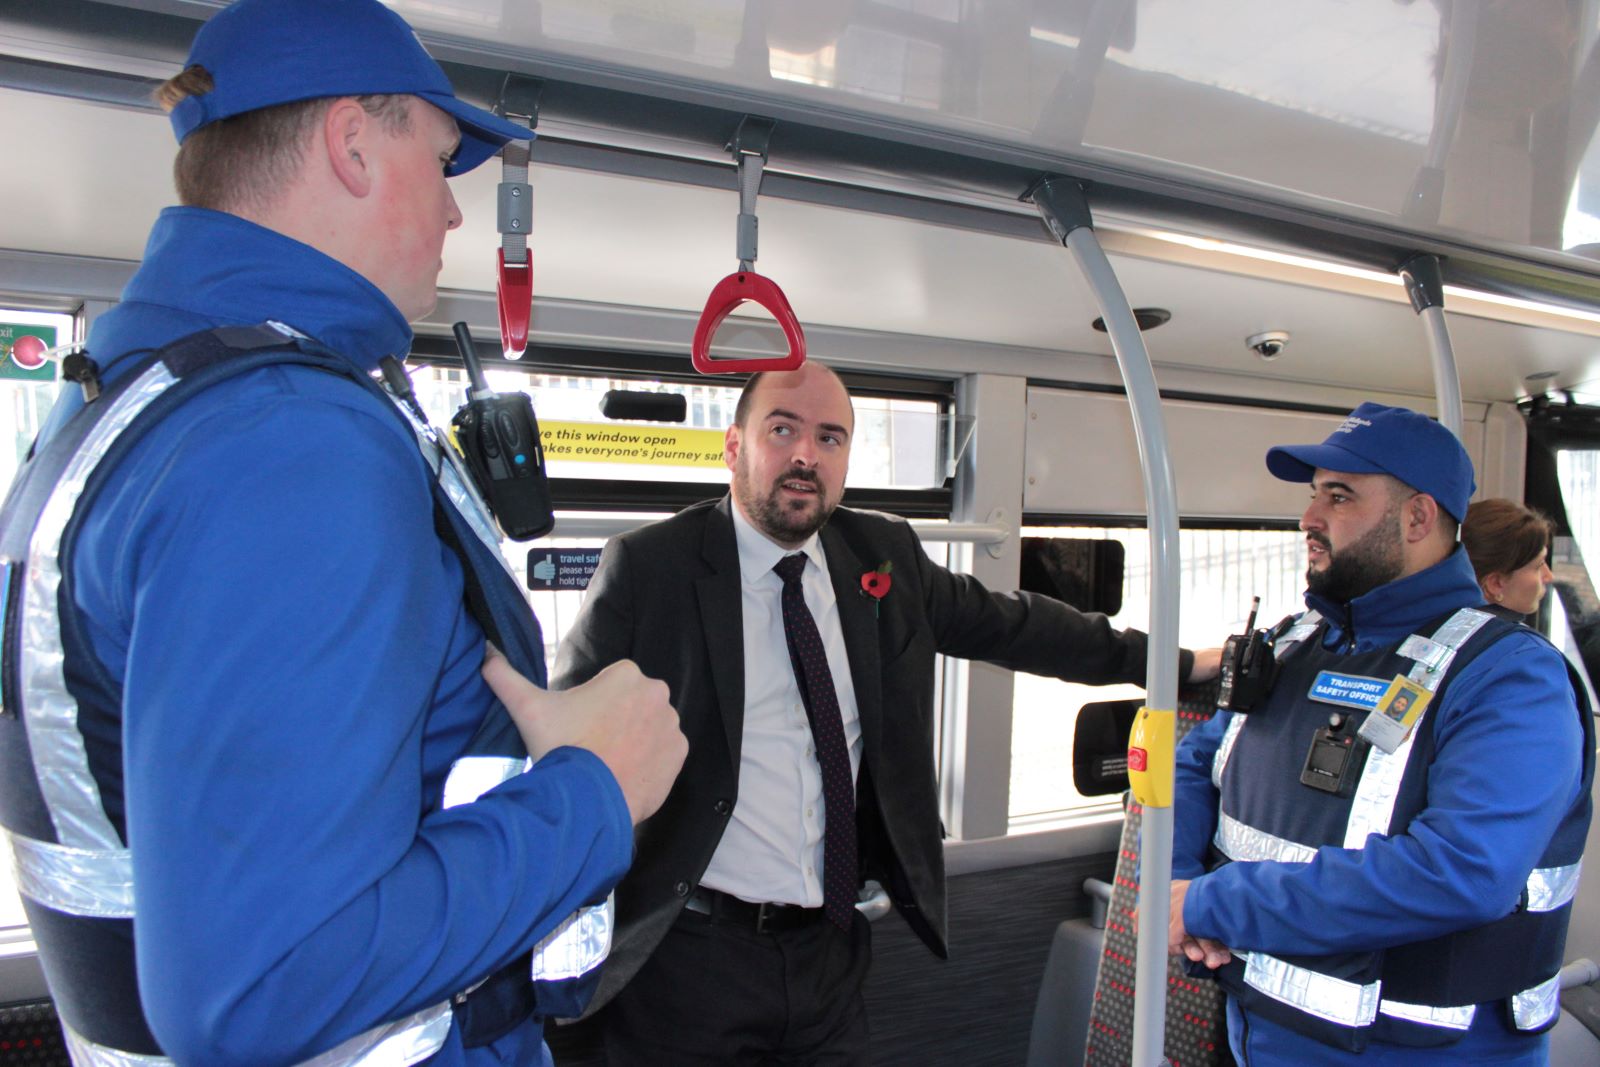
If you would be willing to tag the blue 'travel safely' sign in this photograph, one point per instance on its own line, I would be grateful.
(559, 570)
(1349, 690)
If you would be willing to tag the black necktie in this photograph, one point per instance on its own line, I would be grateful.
(840, 872)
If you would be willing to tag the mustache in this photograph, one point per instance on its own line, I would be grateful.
(1320, 539)
(799, 474)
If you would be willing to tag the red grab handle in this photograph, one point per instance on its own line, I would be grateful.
(728, 294)
(515, 290)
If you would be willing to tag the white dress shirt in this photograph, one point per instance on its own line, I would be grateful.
(772, 847)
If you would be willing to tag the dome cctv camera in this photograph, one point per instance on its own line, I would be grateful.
(1270, 345)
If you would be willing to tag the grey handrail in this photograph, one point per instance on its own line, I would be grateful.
(1061, 202)
(1425, 286)
(978, 533)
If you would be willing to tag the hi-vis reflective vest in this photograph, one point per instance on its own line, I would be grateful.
(74, 870)
(1422, 994)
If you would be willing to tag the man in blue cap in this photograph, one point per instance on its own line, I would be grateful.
(266, 808)
(1377, 861)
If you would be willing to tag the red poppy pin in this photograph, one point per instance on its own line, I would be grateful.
(875, 583)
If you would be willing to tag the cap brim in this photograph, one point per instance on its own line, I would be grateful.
(1299, 463)
(482, 132)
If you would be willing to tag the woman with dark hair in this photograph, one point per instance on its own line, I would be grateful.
(1509, 546)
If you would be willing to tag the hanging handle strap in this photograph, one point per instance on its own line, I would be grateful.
(749, 148)
(519, 102)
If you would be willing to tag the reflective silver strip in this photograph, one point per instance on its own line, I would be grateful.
(583, 939)
(86, 1053)
(1440, 650)
(1238, 841)
(441, 457)
(398, 1044)
(1225, 748)
(78, 881)
(579, 945)
(472, 776)
(1372, 808)
(1303, 628)
(1324, 996)
(1551, 887)
(1532, 1008)
(1448, 1018)
(59, 758)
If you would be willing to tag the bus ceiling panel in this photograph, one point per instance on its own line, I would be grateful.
(96, 38)
(85, 179)
(861, 271)
(1344, 130)
(873, 289)
(913, 294)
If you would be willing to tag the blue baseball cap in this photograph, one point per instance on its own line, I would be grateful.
(261, 53)
(1375, 439)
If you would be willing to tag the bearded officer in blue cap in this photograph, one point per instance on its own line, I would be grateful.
(1377, 861)
(265, 807)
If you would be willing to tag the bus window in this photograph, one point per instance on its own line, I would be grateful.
(27, 392)
(1222, 570)
(897, 445)
(27, 386)
(1575, 611)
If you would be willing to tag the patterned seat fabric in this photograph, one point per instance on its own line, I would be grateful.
(1195, 1033)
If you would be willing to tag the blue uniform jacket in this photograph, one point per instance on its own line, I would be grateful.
(1508, 767)
(298, 671)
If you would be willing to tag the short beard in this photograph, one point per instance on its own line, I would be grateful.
(1372, 560)
(787, 525)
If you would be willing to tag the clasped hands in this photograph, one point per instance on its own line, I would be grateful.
(1204, 950)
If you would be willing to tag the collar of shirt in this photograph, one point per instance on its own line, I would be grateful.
(206, 268)
(1401, 607)
(758, 553)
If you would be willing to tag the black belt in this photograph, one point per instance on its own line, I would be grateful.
(719, 907)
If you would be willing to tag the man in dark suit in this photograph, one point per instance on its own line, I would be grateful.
(737, 939)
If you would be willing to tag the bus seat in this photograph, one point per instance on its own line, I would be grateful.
(1575, 1041)
(1061, 1013)
(1195, 1026)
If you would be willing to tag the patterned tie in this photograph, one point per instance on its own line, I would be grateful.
(840, 870)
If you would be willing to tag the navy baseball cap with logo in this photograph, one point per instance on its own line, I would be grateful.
(1375, 439)
(261, 53)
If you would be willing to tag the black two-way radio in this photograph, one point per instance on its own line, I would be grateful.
(499, 437)
(1248, 665)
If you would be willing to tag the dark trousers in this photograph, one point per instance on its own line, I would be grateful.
(719, 993)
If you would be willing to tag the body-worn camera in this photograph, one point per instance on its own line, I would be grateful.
(1248, 666)
(499, 438)
(1336, 756)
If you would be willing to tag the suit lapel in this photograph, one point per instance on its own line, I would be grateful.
(721, 618)
(859, 622)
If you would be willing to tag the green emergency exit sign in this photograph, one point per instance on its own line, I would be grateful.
(22, 352)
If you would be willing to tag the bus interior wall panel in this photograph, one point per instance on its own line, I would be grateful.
(1218, 454)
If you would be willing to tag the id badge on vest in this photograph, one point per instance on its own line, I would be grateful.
(1397, 712)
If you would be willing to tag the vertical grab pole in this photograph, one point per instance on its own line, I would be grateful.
(1425, 286)
(1061, 202)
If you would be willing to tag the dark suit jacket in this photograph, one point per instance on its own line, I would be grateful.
(668, 597)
